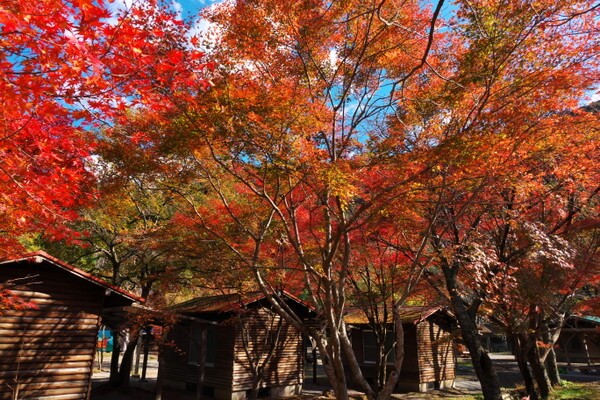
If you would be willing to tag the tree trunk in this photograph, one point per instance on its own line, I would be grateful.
(534, 353)
(552, 368)
(392, 379)
(114, 359)
(486, 373)
(257, 377)
(539, 371)
(127, 361)
(333, 367)
(201, 363)
(159, 376)
(550, 338)
(253, 392)
(356, 374)
(521, 358)
(161, 364)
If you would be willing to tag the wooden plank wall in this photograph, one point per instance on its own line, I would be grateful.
(176, 366)
(428, 353)
(409, 371)
(48, 353)
(436, 357)
(286, 366)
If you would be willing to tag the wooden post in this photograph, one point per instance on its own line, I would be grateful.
(565, 346)
(587, 350)
(161, 357)
(136, 368)
(146, 341)
(314, 357)
(201, 362)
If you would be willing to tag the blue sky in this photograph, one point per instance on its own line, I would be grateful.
(185, 7)
(190, 8)
(195, 5)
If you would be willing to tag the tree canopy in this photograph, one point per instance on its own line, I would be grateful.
(346, 151)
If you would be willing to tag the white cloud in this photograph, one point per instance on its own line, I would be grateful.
(117, 6)
(207, 32)
(178, 8)
(333, 58)
(201, 27)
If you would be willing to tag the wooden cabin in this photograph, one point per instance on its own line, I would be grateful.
(219, 338)
(579, 342)
(47, 351)
(429, 360)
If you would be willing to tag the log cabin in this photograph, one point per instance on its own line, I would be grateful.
(429, 360)
(47, 347)
(579, 343)
(219, 342)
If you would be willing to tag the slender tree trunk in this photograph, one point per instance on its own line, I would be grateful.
(550, 337)
(333, 367)
(255, 385)
(331, 345)
(127, 361)
(355, 372)
(392, 379)
(201, 363)
(159, 376)
(521, 358)
(539, 371)
(486, 373)
(161, 364)
(552, 368)
(114, 359)
(534, 353)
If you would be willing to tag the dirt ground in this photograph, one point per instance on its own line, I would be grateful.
(136, 393)
(466, 385)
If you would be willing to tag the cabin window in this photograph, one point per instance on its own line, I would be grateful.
(211, 346)
(370, 349)
(196, 342)
(576, 344)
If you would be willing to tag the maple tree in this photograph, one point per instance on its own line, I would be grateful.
(68, 68)
(537, 267)
(505, 146)
(127, 238)
(276, 152)
(516, 266)
(278, 183)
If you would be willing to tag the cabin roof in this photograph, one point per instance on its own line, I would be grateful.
(587, 318)
(39, 257)
(226, 303)
(408, 314)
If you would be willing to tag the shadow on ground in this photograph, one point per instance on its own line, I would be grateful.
(466, 385)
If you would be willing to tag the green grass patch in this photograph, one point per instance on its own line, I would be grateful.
(577, 391)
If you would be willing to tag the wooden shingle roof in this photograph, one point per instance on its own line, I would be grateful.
(39, 257)
(227, 303)
(408, 314)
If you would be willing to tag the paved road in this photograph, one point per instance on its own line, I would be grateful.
(509, 375)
